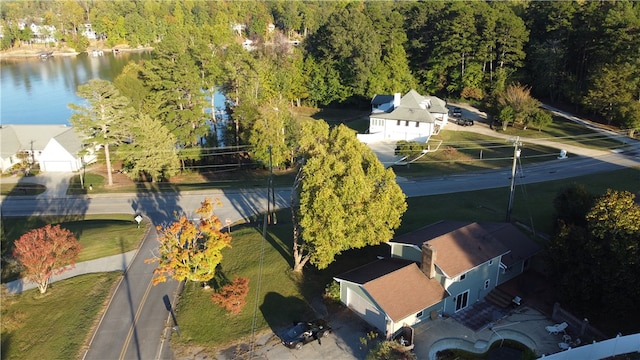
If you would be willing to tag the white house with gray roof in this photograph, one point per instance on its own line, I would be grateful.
(412, 117)
(56, 148)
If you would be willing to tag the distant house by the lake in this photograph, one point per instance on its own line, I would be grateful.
(55, 148)
(412, 117)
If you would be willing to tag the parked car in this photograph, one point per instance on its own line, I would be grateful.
(464, 122)
(303, 332)
(457, 112)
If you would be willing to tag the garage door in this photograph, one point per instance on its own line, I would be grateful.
(57, 166)
(366, 310)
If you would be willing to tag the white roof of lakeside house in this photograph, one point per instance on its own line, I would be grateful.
(415, 107)
(16, 138)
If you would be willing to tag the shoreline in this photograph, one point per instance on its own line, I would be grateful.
(31, 53)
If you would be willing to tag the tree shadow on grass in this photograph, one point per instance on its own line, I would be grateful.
(280, 312)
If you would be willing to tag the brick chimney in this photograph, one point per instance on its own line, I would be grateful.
(428, 265)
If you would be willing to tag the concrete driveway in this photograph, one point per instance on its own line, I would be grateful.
(56, 183)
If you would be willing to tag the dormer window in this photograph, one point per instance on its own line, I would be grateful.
(462, 277)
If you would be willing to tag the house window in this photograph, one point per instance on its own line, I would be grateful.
(526, 264)
(486, 284)
(417, 124)
(406, 123)
(491, 262)
(463, 276)
(419, 315)
(399, 122)
(462, 300)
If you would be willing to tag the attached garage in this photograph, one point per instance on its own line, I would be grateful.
(366, 310)
(57, 166)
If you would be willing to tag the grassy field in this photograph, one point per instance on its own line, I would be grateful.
(31, 329)
(13, 189)
(461, 151)
(100, 235)
(566, 131)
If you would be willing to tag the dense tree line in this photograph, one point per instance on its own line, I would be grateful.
(584, 53)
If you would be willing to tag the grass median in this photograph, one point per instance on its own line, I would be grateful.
(100, 235)
(57, 324)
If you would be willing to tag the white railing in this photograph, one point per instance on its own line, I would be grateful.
(617, 346)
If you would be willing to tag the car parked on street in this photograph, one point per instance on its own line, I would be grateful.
(303, 332)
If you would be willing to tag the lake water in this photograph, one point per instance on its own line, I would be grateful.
(38, 92)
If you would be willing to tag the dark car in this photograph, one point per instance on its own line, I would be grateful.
(303, 332)
(464, 122)
(457, 112)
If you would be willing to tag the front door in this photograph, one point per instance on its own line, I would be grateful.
(462, 300)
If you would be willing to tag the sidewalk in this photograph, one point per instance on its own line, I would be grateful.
(119, 262)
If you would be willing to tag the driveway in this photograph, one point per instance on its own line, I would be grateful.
(55, 182)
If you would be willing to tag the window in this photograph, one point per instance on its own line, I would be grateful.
(406, 123)
(462, 300)
(419, 314)
(491, 262)
(486, 284)
(399, 122)
(417, 124)
(462, 277)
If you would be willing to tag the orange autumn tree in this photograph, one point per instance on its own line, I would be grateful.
(46, 251)
(191, 250)
(233, 296)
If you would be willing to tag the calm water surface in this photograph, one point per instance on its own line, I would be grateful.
(38, 92)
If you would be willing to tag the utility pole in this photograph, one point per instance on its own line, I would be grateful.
(271, 196)
(516, 155)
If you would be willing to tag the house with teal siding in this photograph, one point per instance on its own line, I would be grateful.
(437, 270)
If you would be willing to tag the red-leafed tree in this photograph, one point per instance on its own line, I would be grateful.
(47, 251)
(233, 296)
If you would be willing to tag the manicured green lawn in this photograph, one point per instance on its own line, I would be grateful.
(100, 235)
(462, 151)
(568, 132)
(92, 183)
(16, 189)
(280, 300)
(532, 204)
(54, 325)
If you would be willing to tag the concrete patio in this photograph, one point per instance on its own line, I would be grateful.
(525, 325)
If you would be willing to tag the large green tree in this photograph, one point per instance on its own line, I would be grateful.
(176, 93)
(347, 44)
(596, 260)
(104, 118)
(347, 199)
(151, 151)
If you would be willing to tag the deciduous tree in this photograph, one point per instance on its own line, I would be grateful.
(105, 118)
(47, 251)
(595, 263)
(191, 250)
(347, 199)
(233, 296)
(518, 97)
